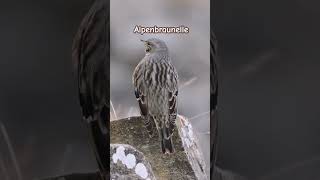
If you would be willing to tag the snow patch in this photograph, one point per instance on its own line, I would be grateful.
(115, 158)
(130, 161)
(187, 132)
(120, 153)
(141, 170)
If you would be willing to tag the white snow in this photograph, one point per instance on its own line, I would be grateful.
(187, 142)
(141, 170)
(184, 133)
(187, 132)
(115, 158)
(120, 153)
(190, 133)
(130, 161)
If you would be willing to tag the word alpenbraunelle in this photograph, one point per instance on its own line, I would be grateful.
(156, 29)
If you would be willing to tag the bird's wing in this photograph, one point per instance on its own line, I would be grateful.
(139, 88)
(90, 54)
(173, 97)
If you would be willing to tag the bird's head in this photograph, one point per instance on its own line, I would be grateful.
(154, 45)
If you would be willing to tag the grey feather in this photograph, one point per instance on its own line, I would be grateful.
(156, 87)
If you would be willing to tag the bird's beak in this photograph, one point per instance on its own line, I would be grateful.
(143, 40)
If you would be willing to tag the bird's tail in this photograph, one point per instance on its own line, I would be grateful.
(166, 141)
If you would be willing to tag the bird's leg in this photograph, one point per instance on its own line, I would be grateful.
(172, 124)
(149, 124)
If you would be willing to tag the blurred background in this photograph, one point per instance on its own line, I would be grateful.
(268, 102)
(38, 96)
(190, 55)
(269, 96)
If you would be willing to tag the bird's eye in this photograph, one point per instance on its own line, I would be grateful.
(148, 49)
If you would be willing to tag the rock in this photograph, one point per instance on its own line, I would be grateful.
(186, 162)
(127, 162)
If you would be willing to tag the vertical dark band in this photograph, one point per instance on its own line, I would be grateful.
(213, 94)
(91, 57)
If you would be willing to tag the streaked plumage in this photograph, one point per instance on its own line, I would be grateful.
(156, 88)
(90, 53)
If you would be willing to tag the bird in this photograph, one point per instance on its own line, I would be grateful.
(90, 56)
(155, 81)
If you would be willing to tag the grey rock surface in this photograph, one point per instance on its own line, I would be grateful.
(186, 163)
(126, 162)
